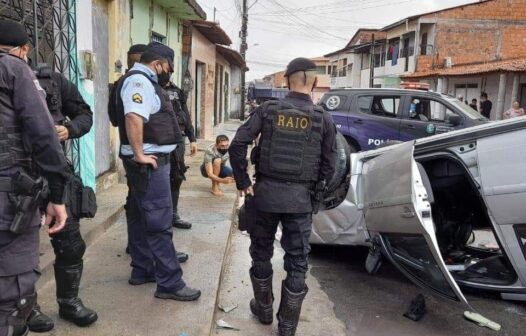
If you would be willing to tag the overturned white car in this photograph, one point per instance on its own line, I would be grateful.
(447, 210)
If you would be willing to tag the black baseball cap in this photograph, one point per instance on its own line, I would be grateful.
(13, 34)
(162, 50)
(299, 64)
(137, 49)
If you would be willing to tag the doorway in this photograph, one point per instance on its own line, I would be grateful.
(522, 97)
(227, 95)
(198, 95)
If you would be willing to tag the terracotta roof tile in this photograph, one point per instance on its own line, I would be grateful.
(515, 65)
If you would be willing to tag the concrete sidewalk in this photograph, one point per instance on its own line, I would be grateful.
(317, 315)
(128, 310)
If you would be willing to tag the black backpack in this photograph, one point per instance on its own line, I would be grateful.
(113, 102)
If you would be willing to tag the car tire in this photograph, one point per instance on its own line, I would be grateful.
(351, 143)
(343, 164)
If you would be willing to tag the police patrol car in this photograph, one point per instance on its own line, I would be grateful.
(369, 117)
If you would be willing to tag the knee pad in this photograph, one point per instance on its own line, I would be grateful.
(69, 248)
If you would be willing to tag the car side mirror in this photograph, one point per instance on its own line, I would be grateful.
(455, 120)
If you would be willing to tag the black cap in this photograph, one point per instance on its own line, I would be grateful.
(137, 49)
(13, 34)
(299, 64)
(162, 50)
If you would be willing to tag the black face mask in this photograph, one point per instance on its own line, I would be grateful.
(222, 151)
(163, 78)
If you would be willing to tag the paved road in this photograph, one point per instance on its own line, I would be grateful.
(374, 305)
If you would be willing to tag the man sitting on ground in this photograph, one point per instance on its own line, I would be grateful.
(214, 167)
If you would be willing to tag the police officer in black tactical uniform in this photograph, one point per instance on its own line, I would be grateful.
(294, 157)
(178, 98)
(28, 147)
(73, 118)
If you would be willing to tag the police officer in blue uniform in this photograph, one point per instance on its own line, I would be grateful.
(295, 155)
(148, 132)
(73, 118)
(29, 147)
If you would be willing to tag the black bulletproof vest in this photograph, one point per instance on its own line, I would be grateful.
(175, 98)
(290, 144)
(53, 95)
(161, 128)
(12, 150)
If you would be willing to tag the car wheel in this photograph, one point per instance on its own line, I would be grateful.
(352, 145)
(343, 151)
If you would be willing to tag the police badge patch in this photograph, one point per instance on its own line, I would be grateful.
(137, 98)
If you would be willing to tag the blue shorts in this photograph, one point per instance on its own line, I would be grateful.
(225, 171)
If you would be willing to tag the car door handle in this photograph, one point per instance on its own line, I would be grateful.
(409, 126)
(358, 121)
(407, 214)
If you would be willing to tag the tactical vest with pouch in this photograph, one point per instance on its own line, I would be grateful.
(12, 149)
(162, 127)
(53, 95)
(290, 143)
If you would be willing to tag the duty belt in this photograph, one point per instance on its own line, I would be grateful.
(162, 158)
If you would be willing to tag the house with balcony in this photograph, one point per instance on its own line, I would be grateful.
(474, 48)
(350, 66)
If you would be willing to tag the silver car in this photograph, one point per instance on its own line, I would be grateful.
(449, 210)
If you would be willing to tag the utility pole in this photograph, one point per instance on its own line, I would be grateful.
(371, 65)
(243, 51)
(215, 10)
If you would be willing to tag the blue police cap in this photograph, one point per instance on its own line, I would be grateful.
(162, 50)
(299, 64)
(13, 34)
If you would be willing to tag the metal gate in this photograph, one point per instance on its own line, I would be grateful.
(51, 26)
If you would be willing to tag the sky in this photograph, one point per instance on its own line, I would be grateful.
(281, 30)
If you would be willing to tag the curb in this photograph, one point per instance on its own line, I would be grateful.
(223, 265)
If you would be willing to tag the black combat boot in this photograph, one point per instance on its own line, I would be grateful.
(178, 222)
(71, 307)
(39, 322)
(289, 310)
(261, 304)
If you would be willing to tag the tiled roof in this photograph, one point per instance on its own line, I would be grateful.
(515, 65)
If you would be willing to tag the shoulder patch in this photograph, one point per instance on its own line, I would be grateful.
(37, 84)
(137, 98)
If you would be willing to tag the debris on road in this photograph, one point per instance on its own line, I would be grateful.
(417, 309)
(227, 308)
(481, 320)
(224, 325)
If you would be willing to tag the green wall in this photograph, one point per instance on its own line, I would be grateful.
(145, 20)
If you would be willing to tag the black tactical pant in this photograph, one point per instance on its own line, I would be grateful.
(19, 255)
(295, 242)
(68, 245)
(177, 171)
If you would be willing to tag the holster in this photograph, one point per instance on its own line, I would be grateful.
(177, 167)
(138, 175)
(317, 195)
(247, 214)
(28, 194)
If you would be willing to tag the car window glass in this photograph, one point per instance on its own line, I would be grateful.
(425, 109)
(384, 106)
(412, 254)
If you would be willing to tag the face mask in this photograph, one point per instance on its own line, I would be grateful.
(163, 78)
(222, 151)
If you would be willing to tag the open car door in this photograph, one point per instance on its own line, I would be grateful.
(398, 209)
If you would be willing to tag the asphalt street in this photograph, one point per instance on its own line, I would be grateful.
(375, 304)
